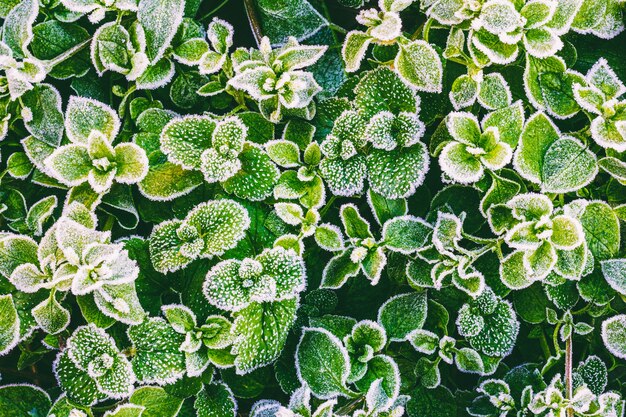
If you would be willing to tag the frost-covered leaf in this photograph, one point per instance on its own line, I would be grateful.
(14, 251)
(76, 383)
(329, 237)
(322, 363)
(83, 115)
(397, 173)
(567, 166)
(125, 410)
(420, 66)
(614, 271)
(10, 327)
(17, 30)
(19, 165)
(499, 333)
(184, 140)
(614, 335)
(469, 361)
(157, 358)
(494, 92)
(602, 230)
(215, 400)
(256, 178)
(538, 136)
(338, 270)
(276, 274)
(463, 92)
(403, 314)
(354, 48)
(46, 123)
(22, 400)
(209, 229)
(382, 90)
(594, 373)
(51, 316)
(406, 234)
(499, 16)
(424, 341)
(160, 20)
(156, 402)
(285, 153)
(260, 331)
(94, 351)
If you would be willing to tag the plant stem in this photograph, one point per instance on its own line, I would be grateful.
(324, 209)
(568, 374)
(255, 23)
(215, 10)
(544, 346)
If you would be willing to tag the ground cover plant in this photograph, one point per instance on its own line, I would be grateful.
(312, 208)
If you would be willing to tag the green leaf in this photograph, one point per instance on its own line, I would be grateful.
(160, 20)
(156, 402)
(18, 27)
(614, 335)
(381, 381)
(499, 333)
(385, 208)
(500, 191)
(537, 137)
(260, 332)
(494, 92)
(295, 18)
(382, 90)
(215, 400)
(469, 361)
(329, 237)
(55, 40)
(533, 73)
(156, 75)
(402, 314)
(594, 373)
(166, 181)
(14, 251)
(19, 165)
(463, 92)
(354, 224)
(209, 229)
(354, 48)
(568, 166)
(125, 410)
(509, 121)
(46, 121)
(283, 152)
(132, 163)
(10, 324)
(614, 271)
(76, 383)
(51, 316)
(614, 167)
(275, 274)
(256, 179)
(70, 164)
(322, 363)
(158, 358)
(184, 140)
(420, 66)
(406, 234)
(24, 400)
(398, 173)
(602, 230)
(83, 115)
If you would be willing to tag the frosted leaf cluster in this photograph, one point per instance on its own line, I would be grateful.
(306, 208)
